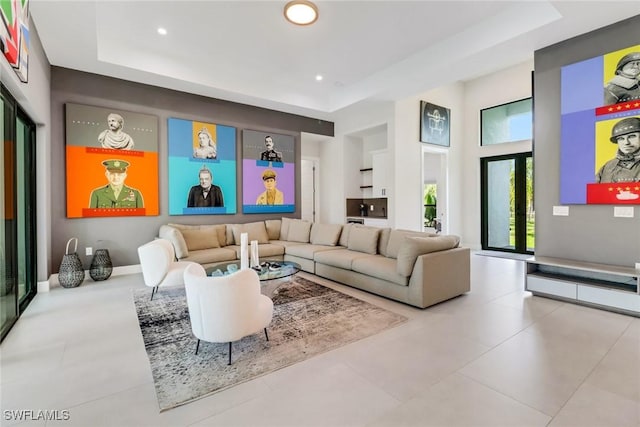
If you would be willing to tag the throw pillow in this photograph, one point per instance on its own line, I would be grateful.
(325, 234)
(284, 228)
(396, 239)
(413, 247)
(273, 228)
(174, 235)
(230, 239)
(197, 239)
(344, 236)
(299, 231)
(255, 230)
(385, 233)
(221, 231)
(364, 239)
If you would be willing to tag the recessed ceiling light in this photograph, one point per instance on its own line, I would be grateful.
(162, 31)
(318, 77)
(301, 12)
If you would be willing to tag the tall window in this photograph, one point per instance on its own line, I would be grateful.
(17, 209)
(504, 123)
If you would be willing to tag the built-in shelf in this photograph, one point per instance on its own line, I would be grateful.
(610, 287)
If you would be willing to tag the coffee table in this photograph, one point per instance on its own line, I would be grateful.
(270, 277)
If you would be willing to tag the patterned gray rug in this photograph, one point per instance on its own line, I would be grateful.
(308, 319)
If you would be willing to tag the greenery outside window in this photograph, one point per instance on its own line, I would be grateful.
(509, 122)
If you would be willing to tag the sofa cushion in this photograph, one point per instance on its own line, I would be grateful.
(174, 235)
(307, 251)
(200, 238)
(255, 230)
(208, 256)
(364, 239)
(416, 246)
(341, 258)
(273, 228)
(265, 250)
(299, 231)
(285, 243)
(325, 234)
(284, 228)
(380, 267)
(396, 239)
(344, 235)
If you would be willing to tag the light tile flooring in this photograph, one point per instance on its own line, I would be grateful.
(496, 357)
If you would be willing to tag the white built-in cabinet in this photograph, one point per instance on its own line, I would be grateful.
(376, 222)
(380, 164)
(609, 287)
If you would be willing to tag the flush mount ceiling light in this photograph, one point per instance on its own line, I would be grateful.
(301, 12)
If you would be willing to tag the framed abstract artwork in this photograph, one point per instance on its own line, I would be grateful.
(435, 123)
(268, 172)
(202, 168)
(111, 162)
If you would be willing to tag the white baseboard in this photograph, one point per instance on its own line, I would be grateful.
(53, 282)
(472, 246)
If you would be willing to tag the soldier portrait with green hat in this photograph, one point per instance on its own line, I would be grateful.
(115, 194)
(271, 195)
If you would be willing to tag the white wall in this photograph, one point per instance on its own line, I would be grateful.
(35, 99)
(498, 88)
(460, 210)
(408, 150)
(341, 158)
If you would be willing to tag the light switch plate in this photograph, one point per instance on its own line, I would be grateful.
(561, 210)
(623, 211)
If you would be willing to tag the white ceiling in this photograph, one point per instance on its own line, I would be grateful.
(245, 51)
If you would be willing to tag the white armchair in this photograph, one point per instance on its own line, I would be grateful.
(159, 265)
(226, 308)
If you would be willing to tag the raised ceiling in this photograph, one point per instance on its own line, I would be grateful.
(245, 51)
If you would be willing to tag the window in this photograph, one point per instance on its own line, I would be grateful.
(507, 123)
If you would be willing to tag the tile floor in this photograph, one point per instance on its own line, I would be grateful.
(496, 357)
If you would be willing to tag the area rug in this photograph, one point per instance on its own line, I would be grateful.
(308, 319)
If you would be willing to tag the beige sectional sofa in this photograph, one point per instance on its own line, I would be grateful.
(415, 268)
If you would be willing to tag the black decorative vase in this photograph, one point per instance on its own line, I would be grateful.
(101, 266)
(71, 272)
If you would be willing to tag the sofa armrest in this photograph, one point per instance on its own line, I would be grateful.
(439, 276)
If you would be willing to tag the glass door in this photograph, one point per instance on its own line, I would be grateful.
(8, 289)
(508, 216)
(18, 283)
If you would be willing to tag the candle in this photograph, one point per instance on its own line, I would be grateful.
(254, 253)
(244, 252)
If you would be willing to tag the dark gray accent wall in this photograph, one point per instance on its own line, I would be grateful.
(590, 232)
(123, 235)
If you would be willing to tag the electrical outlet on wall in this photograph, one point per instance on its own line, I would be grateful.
(88, 251)
(637, 265)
